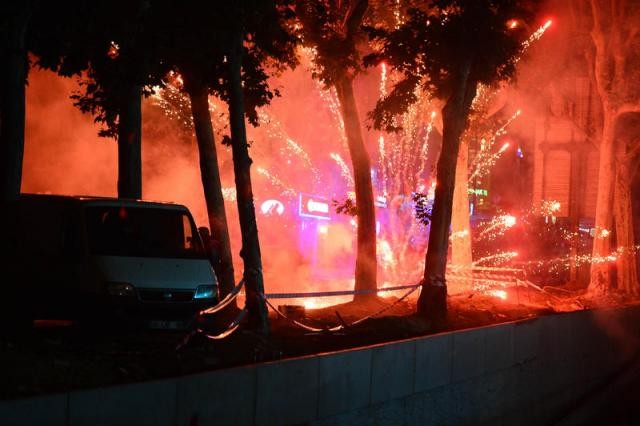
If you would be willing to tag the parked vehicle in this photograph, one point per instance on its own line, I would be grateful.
(87, 257)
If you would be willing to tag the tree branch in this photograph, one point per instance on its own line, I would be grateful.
(354, 17)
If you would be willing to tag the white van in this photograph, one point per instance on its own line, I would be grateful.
(74, 257)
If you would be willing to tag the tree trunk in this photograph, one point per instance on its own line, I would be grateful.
(366, 263)
(600, 271)
(250, 252)
(432, 303)
(627, 277)
(460, 228)
(13, 76)
(130, 144)
(210, 175)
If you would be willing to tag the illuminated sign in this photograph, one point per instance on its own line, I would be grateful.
(478, 191)
(314, 206)
(272, 208)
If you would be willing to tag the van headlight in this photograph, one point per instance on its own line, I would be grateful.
(205, 292)
(120, 289)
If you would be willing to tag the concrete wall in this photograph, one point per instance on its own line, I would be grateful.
(526, 372)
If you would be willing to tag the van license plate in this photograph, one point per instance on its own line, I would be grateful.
(166, 325)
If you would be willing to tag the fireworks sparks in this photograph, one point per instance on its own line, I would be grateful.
(556, 265)
(484, 96)
(496, 259)
(397, 15)
(174, 104)
(497, 226)
(229, 194)
(533, 38)
(486, 159)
(549, 207)
(402, 162)
(483, 166)
(385, 254)
(329, 96)
(402, 170)
(383, 80)
(381, 149)
(286, 190)
(344, 169)
(500, 294)
(425, 145)
(297, 150)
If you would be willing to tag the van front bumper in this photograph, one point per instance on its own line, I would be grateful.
(133, 307)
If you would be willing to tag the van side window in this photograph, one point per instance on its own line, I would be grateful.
(187, 233)
(142, 231)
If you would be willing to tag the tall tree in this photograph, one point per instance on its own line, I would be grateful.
(230, 50)
(627, 273)
(257, 38)
(447, 48)
(211, 183)
(627, 163)
(14, 21)
(190, 44)
(481, 124)
(614, 55)
(111, 45)
(461, 255)
(333, 30)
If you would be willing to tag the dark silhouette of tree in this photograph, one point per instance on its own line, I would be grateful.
(111, 43)
(256, 39)
(189, 39)
(14, 21)
(126, 49)
(333, 30)
(446, 48)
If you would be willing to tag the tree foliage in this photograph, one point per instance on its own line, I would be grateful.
(437, 40)
(445, 49)
(196, 42)
(332, 30)
(111, 45)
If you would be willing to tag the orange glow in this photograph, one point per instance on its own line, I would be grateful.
(310, 304)
(500, 294)
(87, 164)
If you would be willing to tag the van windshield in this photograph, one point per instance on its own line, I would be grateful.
(142, 232)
